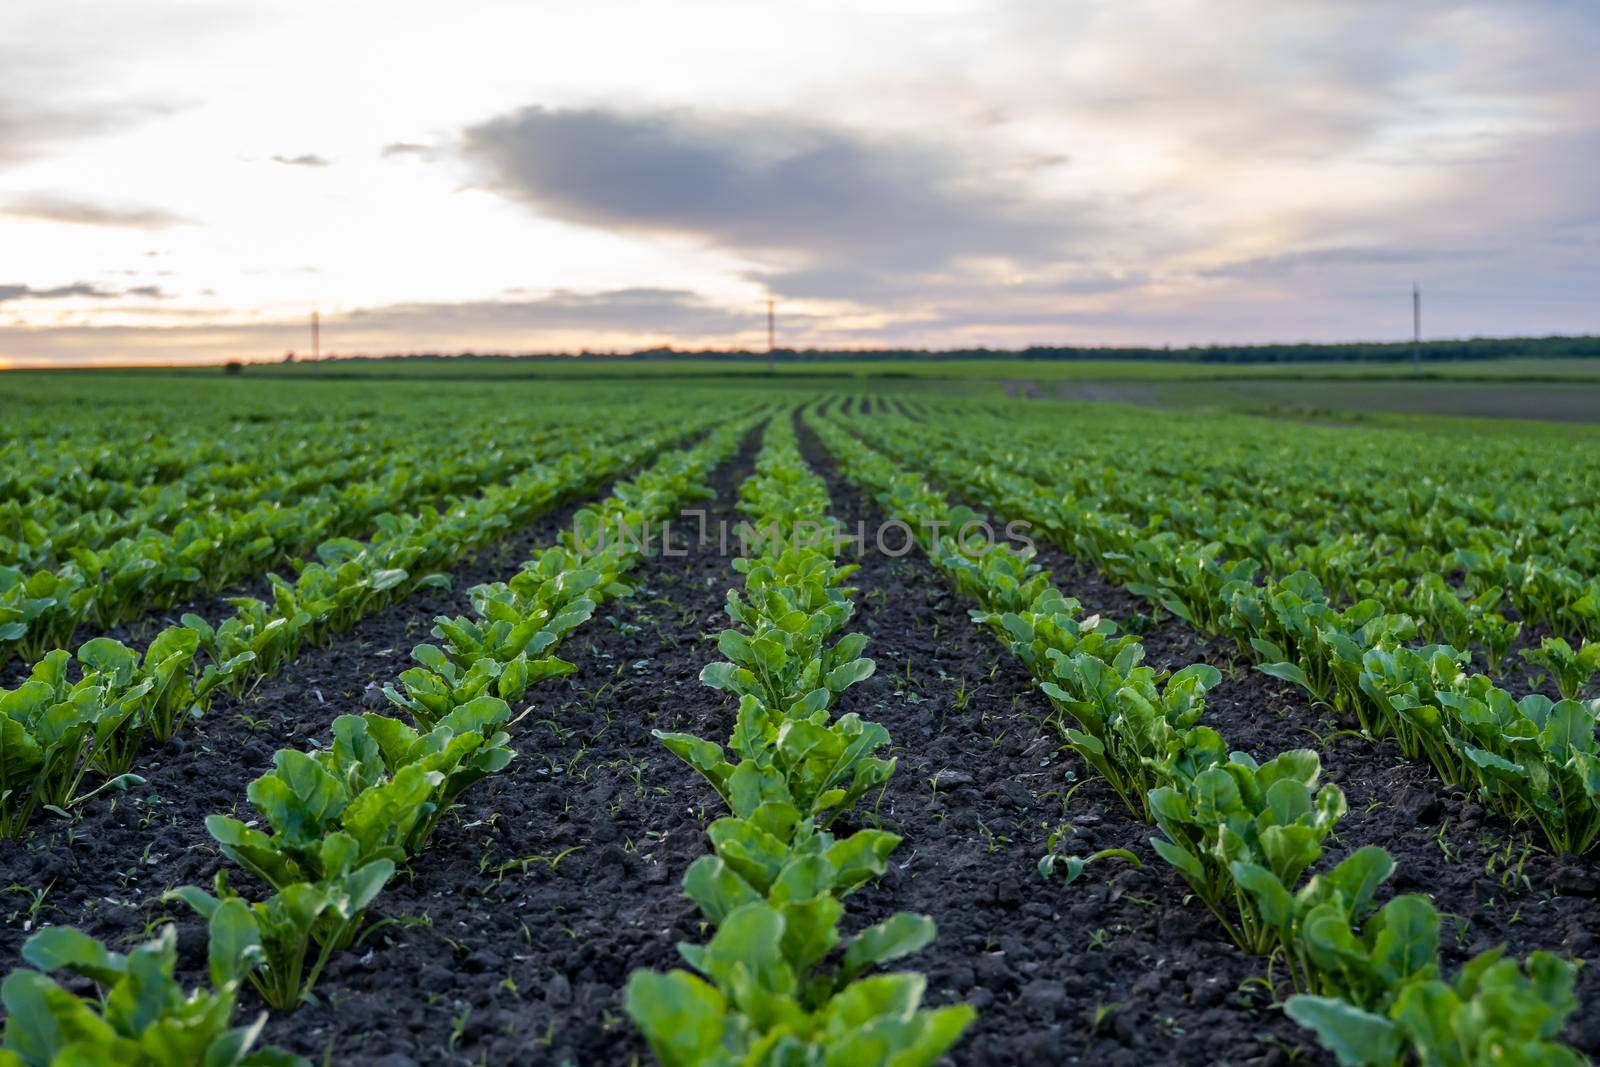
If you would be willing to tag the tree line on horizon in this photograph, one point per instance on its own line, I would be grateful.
(1477, 348)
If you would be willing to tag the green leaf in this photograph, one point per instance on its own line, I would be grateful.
(899, 935)
(67, 948)
(1405, 938)
(1271, 899)
(1186, 863)
(42, 1019)
(1356, 1038)
(681, 1016)
(844, 676)
(716, 888)
(1289, 672)
(235, 942)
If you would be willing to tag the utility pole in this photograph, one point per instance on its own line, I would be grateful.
(772, 333)
(316, 336)
(1416, 328)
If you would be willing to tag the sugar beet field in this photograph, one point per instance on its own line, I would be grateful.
(402, 723)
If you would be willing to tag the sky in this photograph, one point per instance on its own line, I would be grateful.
(187, 181)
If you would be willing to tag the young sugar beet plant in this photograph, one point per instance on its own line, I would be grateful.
(57, 736)
(343, 817)
(1243, 834)
(774, 885)
(141, 1016)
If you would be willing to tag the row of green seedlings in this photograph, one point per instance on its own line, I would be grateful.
(1460, 619)
(40, 609)
(1242, 834)
(1333, 675)
(340, 819)
(1392, 539)
(226, 473)
(1533, 760)
(111, 583)
(58, 736)
(81, 508)
(83, 463)
(775, 990)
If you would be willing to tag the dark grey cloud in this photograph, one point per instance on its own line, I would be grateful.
(307, 160)
(77, 289)
(52, 207)
(1323, 259)
(772, 187)
(28, 292)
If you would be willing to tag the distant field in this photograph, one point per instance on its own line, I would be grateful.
(966, 369)
(1551, 390)
(1575, 401)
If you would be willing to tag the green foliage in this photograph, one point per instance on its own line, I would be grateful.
(142, 1017)
(819, 768)
(51, 730)
(776, 880)
(1534, 760)
(757, 1008)
(1496, 1011)
(1241, 835)
(289, 936)
(1136, 734)
(1572, 670)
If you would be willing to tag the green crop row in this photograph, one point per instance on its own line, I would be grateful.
(216, 546)
(1241, 834)
(1534, 760)
(57, 733)
(340, 818)
(1517, 520)
(42, 531)
(769, 991)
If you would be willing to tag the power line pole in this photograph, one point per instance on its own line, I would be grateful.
(316, 336)
(772, 333)
(1416, 328)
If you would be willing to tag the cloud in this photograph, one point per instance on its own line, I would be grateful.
(798, 195)
(660, 312)
(26, 292)
(1360, 258)
(78, 289)
(31, 129)
(407, 150)
(51, 207)
(562, 320)
(307, 160)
